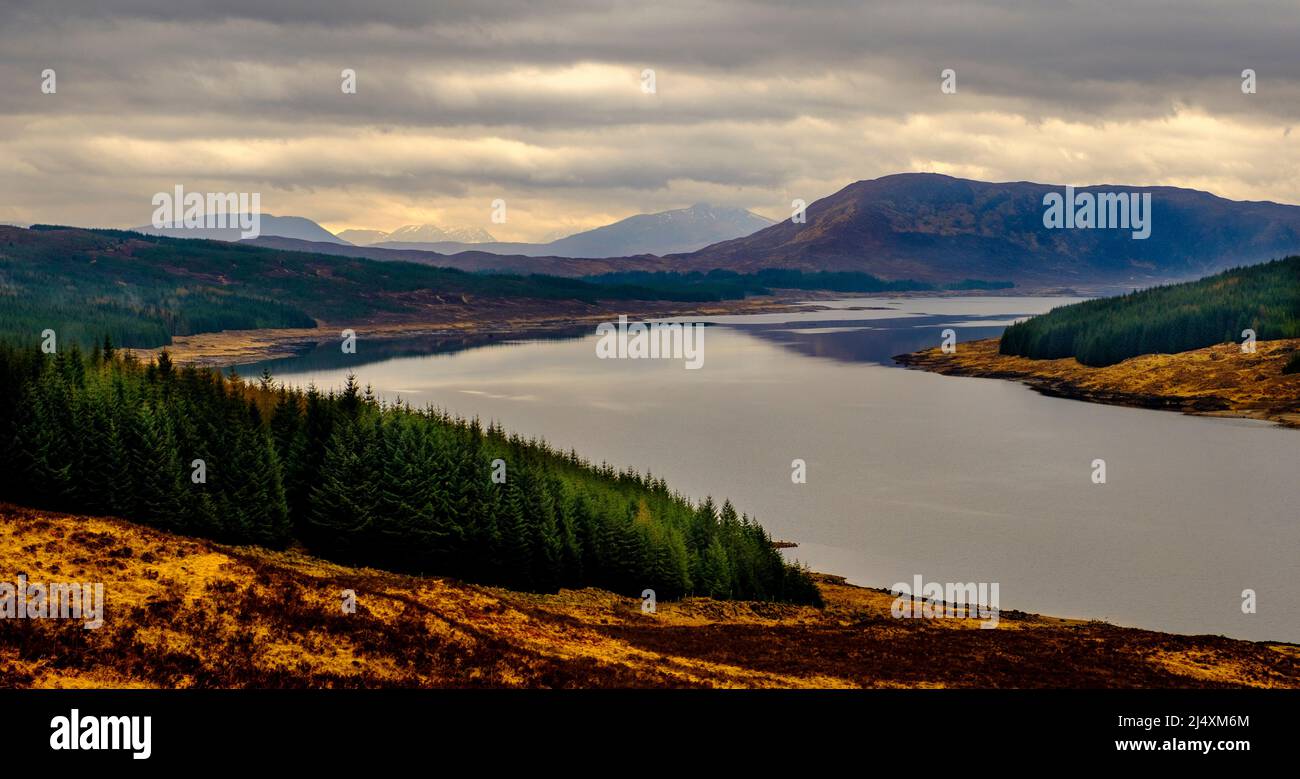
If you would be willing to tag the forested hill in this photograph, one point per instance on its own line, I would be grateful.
(1167, 319)
(195, 452)
(141, 290)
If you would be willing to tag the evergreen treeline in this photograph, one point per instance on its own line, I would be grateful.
(720, 284)
(141, 290)
(1168, 319)
(140, 317)
(359, 481)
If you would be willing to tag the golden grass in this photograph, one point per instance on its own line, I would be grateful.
(1218, 380)
(190, 613)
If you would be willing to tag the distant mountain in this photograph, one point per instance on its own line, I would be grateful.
(297, 227)
(939, 228)
(425, 233)
(474, 261)
(667, 232)
(363, 237)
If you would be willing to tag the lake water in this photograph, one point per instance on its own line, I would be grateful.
(954, 479)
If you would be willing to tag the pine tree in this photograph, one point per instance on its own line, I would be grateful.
(517, 546)
(344, 502)
(716, 572)
(99, 473)
(360, 482)
(155, 469)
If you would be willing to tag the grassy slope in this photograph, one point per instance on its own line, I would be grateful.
(1216, 379)
(183, 612)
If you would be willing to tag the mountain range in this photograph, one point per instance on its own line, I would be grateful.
(934, 227)
(296, 227)
(424, 233)
(666, 232)
(921, 226)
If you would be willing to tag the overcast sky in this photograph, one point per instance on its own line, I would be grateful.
(541, 104)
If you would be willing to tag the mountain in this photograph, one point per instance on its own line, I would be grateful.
(473, 259)
(667, 232)
(933, 227)
(363, 237)
(297, 227)
(425, 233)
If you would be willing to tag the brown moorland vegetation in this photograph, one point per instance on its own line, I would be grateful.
(188, 613)
(1220, 380)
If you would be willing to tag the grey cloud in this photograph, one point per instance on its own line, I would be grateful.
(754, 97)
(1079, 57)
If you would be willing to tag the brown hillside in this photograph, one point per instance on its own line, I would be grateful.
(188, 613)
(1217, 380)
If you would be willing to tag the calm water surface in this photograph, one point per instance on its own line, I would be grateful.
(955, 479)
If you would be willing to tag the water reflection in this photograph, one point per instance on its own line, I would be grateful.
(327, 355)
(850, 340)
(956, 479)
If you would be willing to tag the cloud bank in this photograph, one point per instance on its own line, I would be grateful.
(542, 104)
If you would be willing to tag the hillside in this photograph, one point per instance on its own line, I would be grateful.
(187, 613)
(471, 258)
(143, 290)
(1176, 347)
(1217, 380)
(195, 451)
(939, 228)
(1168, 319)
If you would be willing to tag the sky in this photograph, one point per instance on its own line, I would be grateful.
(545, 104)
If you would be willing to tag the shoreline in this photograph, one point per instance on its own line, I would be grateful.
(168, 625)
(475, 321)
(483, 321)
(1218, 380)
(1159, 374)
